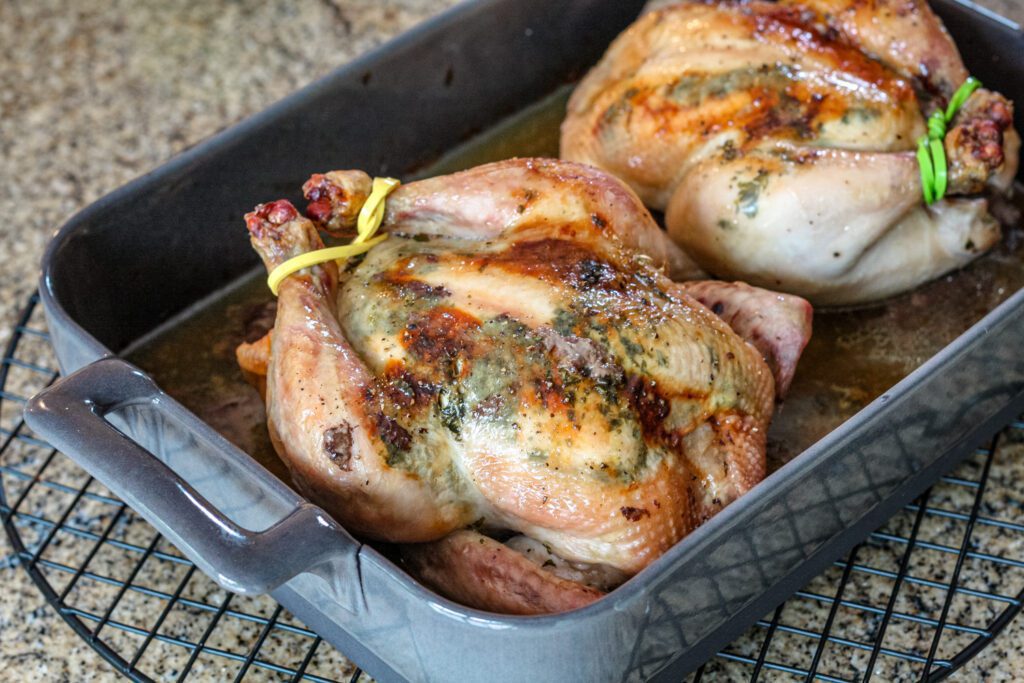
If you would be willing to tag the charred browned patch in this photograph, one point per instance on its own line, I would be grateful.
(557, 261)
(758, 101)
(394, 436)
(593, 273)
(422, 289)
(793, 111)
(441, 332)
(400, 387)
(490, 406)
(634, 514)
(776, 23)
(652, 405)
(765, 101)
(410, 287)
(647, 401)
(550, 394)
(338, 446)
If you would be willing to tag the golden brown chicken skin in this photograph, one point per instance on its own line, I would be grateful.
(780, 139)
(510, 359)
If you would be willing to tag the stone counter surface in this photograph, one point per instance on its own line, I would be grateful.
(95, 92)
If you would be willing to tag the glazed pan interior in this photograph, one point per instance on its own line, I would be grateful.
(164, 272)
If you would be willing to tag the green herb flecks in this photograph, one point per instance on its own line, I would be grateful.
(750, 194)
(860, 115)
(622, 106)
(451, 409)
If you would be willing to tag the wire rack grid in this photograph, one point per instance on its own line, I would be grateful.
(914, 601)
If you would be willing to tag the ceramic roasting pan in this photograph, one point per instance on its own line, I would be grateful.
(151, 249)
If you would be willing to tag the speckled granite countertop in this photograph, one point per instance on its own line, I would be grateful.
(95, 92)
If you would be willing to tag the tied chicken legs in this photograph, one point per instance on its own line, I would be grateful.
(513, 363)
(780, 140)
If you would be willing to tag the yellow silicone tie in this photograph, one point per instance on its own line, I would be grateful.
(371, 215)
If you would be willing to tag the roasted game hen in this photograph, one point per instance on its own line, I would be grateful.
(514, 362)
(780, 140)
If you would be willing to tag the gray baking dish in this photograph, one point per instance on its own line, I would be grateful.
(148, 251)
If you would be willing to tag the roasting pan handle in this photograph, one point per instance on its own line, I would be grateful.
(72, 416)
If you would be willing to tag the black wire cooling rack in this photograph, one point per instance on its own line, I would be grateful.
(914, 601)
